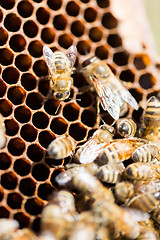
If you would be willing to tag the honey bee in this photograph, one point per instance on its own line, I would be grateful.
(146, 153)
(8, 226)
(112, 94)
(124, 191)
(126, 127)
(119, 150)
(60, 67)
(2, 132)
(151, 120)
(61, 147)
(89, 151)
(142, 171)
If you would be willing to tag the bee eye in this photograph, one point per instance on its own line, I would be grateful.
(103, 127)
(67, 92)
(58, 95)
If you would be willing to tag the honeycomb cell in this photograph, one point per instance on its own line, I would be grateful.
(103, 4)
(45, 190)
(5, 161)
(42, 15)
(22, 219)
(35, 152)
(12, 22)
(40, 172)
(1, 15)
(44, 87)
(59, 125)
(85, 99)
(9, 180)
(141, 61)
(27, 186)
(88, 118)
(16, 95)
(28, 133)
(30, 29)
(5, 107)
(34, 100)
(28, 81)
(34, 206)
(72, 8)
(40, 120)
(83, 47)
(95, 34)
(25, 9)
(36, 225)
(7, 4)
(147, 80)
(1, 194)
(40, 68)
(127, 75)
(3, 88)
(71, 112)
(114, 40)
(77, 131)
(23, 62)
(90, 14)
(14, 200)
(45, 138)
(12, 127)
(47, 35)
(16, 146)
(3, 36)
(17, 42)
(65, 41)
(4, 213)
(10, 75)
(60, 22)
(22, 167)
(77, 28)
(137, 114)
(54, 4)
(136, 94)
(101, 52)
(121, 58)
(35, 48)
(6, 56)
(22, 114)
(109, 21)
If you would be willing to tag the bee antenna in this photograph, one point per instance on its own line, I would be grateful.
(103, 121)
(57, 108)
(78, 99)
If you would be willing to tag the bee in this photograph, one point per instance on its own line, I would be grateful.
(60, 68)
(89, 151)
(151, 120)
(2, 132)
(146, 153)
(126, 127)
(61, 147)
(112, 94)
(142, 171)
(8, 226)
(118, 150)
(124, 191)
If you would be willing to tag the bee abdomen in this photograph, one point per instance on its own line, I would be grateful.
(139, 171)
(127, 128)
(109, 174)
(145, 153)
(152, 113)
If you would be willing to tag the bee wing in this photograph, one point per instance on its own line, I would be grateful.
(72, 52)
(49, 58)
(108, 101)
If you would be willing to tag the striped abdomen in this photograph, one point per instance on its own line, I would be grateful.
(61, 62)
(145, 153)
(126, 127)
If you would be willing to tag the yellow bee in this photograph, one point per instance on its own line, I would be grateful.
(60, 68)
(112, 94)
(126, 127)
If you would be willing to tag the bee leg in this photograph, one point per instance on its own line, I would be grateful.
(98, 112)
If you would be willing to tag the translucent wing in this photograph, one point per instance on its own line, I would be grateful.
(49, 58)
(108, 100)
(72, 52)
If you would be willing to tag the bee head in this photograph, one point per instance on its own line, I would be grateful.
(61, 95)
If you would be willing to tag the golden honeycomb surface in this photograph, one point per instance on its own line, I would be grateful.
(95, 28)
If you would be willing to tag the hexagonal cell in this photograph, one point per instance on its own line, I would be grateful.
(17, 42)
(90, 14)
(5, 107)
(89, 117)
(136, 94)
(77, 28)
(14, 200)
(16, 95)
(28, 133)
(42, 15)
(45, 190)
(59, 125)
(103, 4)
(27, 186)
(3, 88)
(44, 87)
(22, 114)
(9, 180)
(5, 161)
(12, 127)
(6, 56)
(35, 152)
(4, 213)
(40, 68)
(141, 61)
(127, 75)
(3, 36)
(12, 22)
(28, 81)
(23, 62)
(83, 47)
(114, 40)
(40, 120)
(72, 8)
(34, 100)
(147, 80)
(10, 75)
(16, 146)
(54, 4)
(77, 131)
(8, 4)
(109, 21)
(47, 35)
(95, 34)
(40, 172)
(22, 167)
(71, 112)
(65, 41)
(35, 48)
(30, 29)
(45, 138)
(121, 58)
(22, 218)
(60, 22)
(102, 52)
(34, 206)
(85, 99)
(25, 9)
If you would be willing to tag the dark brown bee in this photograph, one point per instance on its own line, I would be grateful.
(126, 127)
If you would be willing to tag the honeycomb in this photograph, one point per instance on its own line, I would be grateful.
(95, 27)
